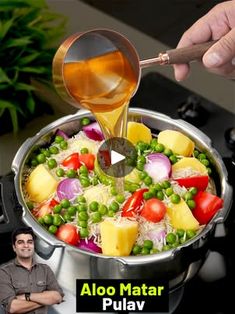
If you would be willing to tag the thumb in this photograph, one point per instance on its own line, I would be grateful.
(222, 52)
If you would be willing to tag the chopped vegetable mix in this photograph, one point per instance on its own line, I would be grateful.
(167, 198)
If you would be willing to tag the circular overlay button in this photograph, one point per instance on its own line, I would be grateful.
(117, 157)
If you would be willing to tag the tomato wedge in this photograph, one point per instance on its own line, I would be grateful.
(68, 233)
(207, 206)
(88, 160)
(133, 203)
(154, 210)
(72, 161)
(199, 182)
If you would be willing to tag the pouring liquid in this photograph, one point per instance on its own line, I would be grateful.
(104, 85)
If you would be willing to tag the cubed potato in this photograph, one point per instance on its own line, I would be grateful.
(41, 184)
(118, 237)
(138, 132)
(190, 163)
(177, 142)
(181, 217)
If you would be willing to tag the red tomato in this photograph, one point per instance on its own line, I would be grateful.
(206, 206)
(53, 202)
(154, 210)
(133, 203)
(87, 160)
(199, 182)
(72, 161)
(68, 233)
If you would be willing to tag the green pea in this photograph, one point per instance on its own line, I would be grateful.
(173, 159)
(190, 234)
(188, 196)
(168, 152)
(63, 145)
(52, 163)
(82, 207)
(180, 233)
(48, 219)
(67, 217)
(140, 166)
(169, 191)
(83, 216)
(148, 180)
(114, 206)
(57, 220)
(160, 195)
(159, 148)
(52, 229)
(111, 213)
(81, 199)
(141, 159)
(166, 248)
(60, 172)
(171, 238)
(82, 223)
(85, 182)
(209, 170)
(53, 150)
(34, 162)
(182, 240)
(145, 251)
(132, 187)
(166, 184)
(142, 175)
(103, 209)
(41, 158)
(153, 143)
(147, 195)
(83, 169)
(153, 251)
(120, 198)
(84, 150)
(136, 249)
(58, 139)
(175, 198)
(46, 153)
(193, 190)
(84, 233)
(71, 173)
(96, 217)
(158, 187)
(41, 220)
(191, 204)
(153, 190)
(141, 146)
(72, 210)
(94, 181)
(148, 244)
(113, 191)
(65, 203)
(201, 156)
(195, 153)
(85, 121)
(57, 208)
(205, 162)
(94, 206)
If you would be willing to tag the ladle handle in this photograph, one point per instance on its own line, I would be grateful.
(187, 54)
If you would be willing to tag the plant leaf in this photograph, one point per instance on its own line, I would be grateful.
(23, 41)
(5, 26)
(3, 77)
(29, 58)
(12, 4)
(24, 87)
(30, 103)
(38, 70)
(14, 119)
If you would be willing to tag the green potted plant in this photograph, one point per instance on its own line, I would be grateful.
(29, 31)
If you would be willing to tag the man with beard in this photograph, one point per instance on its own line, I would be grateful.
(25, 285)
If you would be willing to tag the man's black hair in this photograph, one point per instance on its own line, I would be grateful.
(21, 230)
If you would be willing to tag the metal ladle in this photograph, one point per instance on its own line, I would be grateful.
(91, 44)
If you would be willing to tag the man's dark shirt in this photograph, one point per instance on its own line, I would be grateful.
(15, 279)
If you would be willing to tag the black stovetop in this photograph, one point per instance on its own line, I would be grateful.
(210, 291)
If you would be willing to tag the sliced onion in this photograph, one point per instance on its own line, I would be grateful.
(158, 167)
(59, 132)
(93, 131)
(69, 188)
(156, 235)
(89, 245)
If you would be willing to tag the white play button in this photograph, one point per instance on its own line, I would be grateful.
(116, 157)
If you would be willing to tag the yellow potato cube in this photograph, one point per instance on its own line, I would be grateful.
(188, 163)
(118, 237)
(41, 184)
(177, 142)
(138, 132)
(181, 217)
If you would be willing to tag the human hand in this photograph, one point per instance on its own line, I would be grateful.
(217, 24)
(20, 297)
